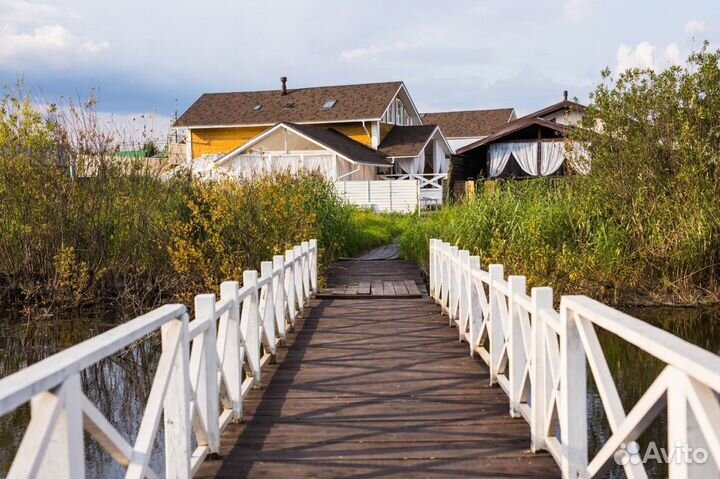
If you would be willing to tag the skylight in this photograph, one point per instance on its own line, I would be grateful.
(257, 107)
(329, 104)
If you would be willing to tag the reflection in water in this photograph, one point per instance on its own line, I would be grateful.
(634, 370)
(119, 385)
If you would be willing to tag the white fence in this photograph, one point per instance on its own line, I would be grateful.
(430, 185)
(397, 195)
(539, 356)
(206, 368)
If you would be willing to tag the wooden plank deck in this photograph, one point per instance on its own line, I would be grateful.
(380, 278)
(377, 389)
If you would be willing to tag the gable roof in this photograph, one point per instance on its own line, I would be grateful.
(562, 105)
(300, 105)
(514, 126)
(405, 141)
(470, 123)
(326, 138)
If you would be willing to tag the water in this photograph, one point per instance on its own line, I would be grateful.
(119, 385)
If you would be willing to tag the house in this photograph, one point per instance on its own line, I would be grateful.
(529, 146)
(462, 128)
(359, 132)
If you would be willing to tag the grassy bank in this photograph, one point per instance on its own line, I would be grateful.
(79, 227)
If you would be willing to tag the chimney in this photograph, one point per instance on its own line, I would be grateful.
(283, 89)
(565, 95)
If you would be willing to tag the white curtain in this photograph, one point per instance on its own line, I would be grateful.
(499, 155)
(579, 158)
(413, 166)
(525, 154)
(440, 161)
(319, 163)
(552, 155)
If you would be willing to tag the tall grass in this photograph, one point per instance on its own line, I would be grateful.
(78, 226)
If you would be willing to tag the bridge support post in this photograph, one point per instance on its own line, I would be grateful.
(229, 345)
(476, 313)
(541, 299)
(495, 334)
(516, 349)
(279, 289)
(314, 253)
(290, 287)
(203, 365)
(573, 392)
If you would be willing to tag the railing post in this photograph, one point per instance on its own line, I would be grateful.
(314, 253)
(516, 350)
(573, 394)
(307, 289)
(453, 288)
(279, 300)
(290, 286)
(229, 346)
(267, 302)
(431, 267)
(443, 293)
(250, 324)
(541, 299)
(204, 358)
(299, 287)
(64, 453)
(176, 404)
(464, 293)
(475, 308)
(495, 333)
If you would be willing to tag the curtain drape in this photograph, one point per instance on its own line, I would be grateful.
(552, 155)
(412, 166)
(499, 154)
(440, 161)
(525, 154)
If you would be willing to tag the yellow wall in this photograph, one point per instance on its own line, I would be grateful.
(384, 130)
(352, 130)
(222, 140)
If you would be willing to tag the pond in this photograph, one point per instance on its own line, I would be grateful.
(119, 385)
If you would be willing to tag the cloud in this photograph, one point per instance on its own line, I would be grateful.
(578, 9)
(33, 36)
(694, 27)
(645, 55)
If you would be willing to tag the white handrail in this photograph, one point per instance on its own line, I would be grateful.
(206, 368)
(540, 357)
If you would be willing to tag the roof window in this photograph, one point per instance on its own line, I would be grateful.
(257, 107)
(329, 104)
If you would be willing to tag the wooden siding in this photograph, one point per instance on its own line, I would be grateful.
(222, 140)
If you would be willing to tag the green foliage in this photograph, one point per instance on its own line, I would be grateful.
(79, 225)
(644, 225)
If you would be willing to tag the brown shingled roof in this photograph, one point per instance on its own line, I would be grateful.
(340, 143)
(353, 102)
(406, 140)
(464, 124)
(512, 127)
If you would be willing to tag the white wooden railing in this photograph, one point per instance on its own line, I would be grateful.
(206, 367)
(539, 356)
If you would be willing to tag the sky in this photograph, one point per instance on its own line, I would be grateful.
(148, 59)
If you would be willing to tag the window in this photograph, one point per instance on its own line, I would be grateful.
(329, 104)
(399, 117)
(391, 114)
(257, 107)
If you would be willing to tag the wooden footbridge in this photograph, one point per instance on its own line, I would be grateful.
(364, 378)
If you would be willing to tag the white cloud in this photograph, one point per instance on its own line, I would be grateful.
(577, 9)
(645, 55)
(694, 27)
(32, 35)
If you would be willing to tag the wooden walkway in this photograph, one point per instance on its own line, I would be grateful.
(376, 389)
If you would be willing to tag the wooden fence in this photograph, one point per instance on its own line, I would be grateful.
(540, 357)
(206, 367)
